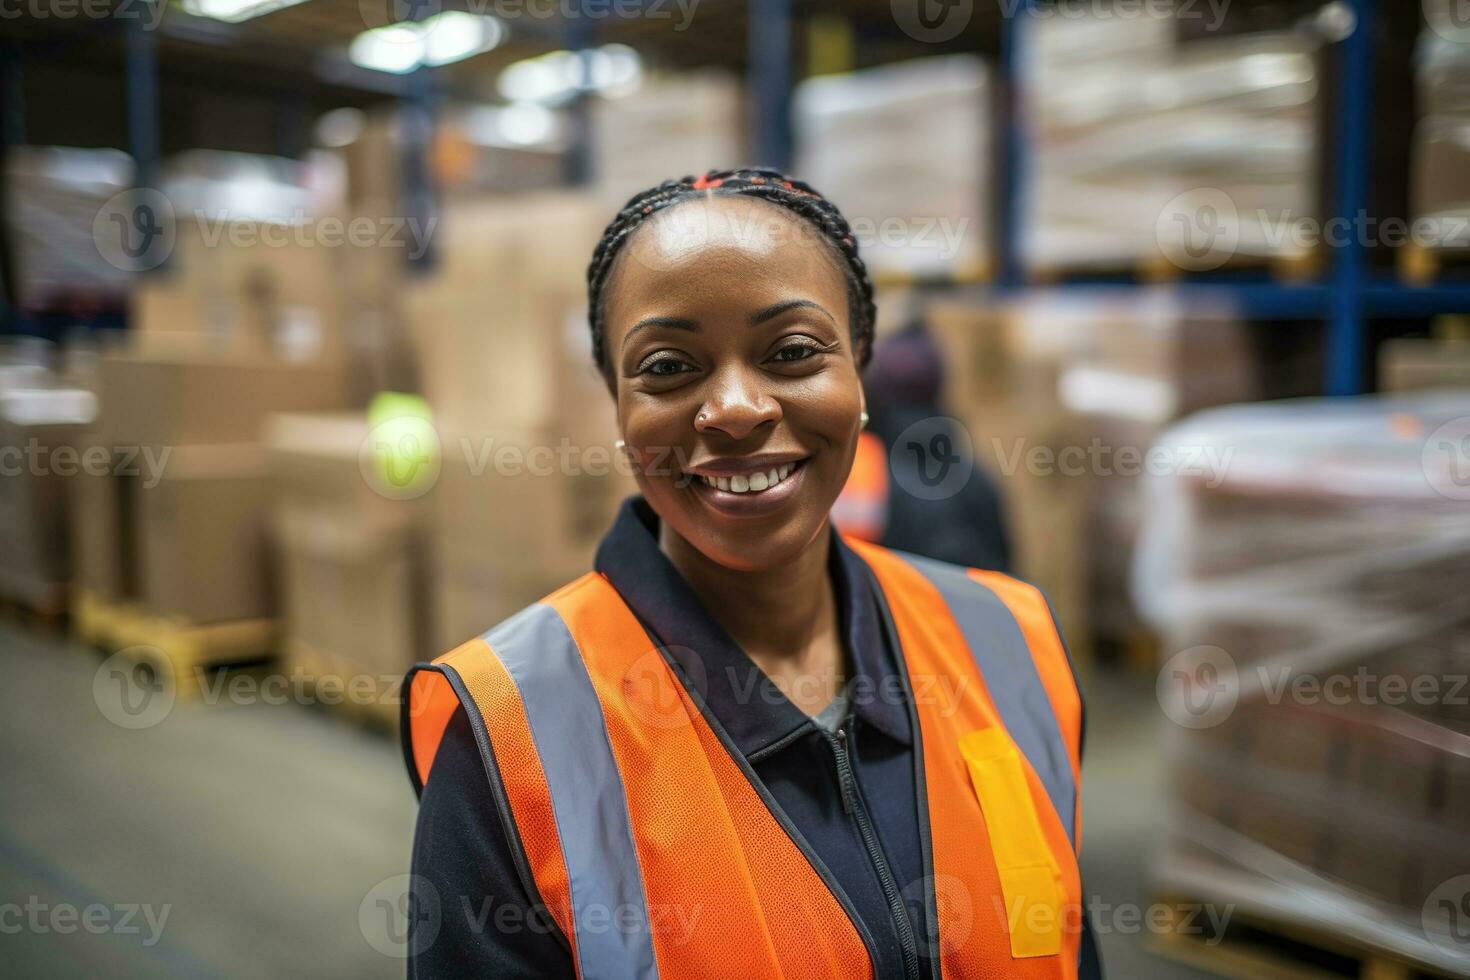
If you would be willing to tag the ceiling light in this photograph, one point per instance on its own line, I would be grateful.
(440, 40)
(234, 11)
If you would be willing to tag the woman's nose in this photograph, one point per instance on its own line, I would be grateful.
(737, 405)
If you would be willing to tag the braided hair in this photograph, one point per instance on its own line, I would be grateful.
(767, 185)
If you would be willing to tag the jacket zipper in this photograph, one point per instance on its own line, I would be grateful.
(853, 806)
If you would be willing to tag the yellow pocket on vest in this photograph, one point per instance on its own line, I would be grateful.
(1029, 878)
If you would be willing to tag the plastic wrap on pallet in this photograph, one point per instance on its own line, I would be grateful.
(1312, 596)
(1440, 187)
(903, 149)
(53, 196)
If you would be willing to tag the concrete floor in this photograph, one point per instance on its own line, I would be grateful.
(266, 833)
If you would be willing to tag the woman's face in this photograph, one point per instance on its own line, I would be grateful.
(727, 335)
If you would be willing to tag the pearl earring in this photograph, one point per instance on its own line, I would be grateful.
(621, 445)
(863, 419)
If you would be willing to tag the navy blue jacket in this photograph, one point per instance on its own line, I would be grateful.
(869, 847)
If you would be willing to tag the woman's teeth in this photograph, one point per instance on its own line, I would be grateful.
(751, 482)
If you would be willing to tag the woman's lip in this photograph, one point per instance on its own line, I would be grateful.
(757, 504)
(744, 466)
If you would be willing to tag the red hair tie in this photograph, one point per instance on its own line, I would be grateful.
(704, 183)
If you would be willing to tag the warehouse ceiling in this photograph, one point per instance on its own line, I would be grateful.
(256, 85)
(308, 36)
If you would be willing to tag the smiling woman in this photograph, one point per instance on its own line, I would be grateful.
(743, 738)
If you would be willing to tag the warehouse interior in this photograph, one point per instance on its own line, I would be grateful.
(296, 391)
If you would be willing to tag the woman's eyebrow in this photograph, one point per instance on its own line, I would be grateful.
(673, 322)
(777, 309)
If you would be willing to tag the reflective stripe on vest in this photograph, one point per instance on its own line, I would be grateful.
(1010, 668)
(655, 849)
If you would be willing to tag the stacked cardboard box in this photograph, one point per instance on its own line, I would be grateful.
(1440, 191)
(1004, 393)
(1414, 363)
(242, 286)
(177, 519)
(351, 559)
(904, 151)
(524, 418)
(1063, 399)
(682, 124)
(39, 453)
(1149, 151)
(245, 264)
(1314, 599)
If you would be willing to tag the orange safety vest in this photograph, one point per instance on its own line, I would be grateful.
(861, 509)
(657, 851)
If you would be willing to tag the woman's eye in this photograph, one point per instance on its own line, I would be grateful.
(666, 367)
(795, 352)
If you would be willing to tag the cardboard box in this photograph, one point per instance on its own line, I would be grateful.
(351, 560)
(351, 594)
(252, 287)
(40, 432)
(904, 151)
(201, 548)
(182, 398)
(688, 123)
(100, 528)
(467, 156)
(501, 324)
(1412, 364)
(537, 500)
(472, 593)
(321, 467)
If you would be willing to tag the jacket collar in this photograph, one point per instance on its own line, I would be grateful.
(742, 699)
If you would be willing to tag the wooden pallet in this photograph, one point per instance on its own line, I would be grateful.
(372, 701)
(44, 615)
(1420, 266)
(172, 647)
(969, 274)
(1159, 269)
(1255, 947)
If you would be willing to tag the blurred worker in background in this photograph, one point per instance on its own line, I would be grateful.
(884, 499)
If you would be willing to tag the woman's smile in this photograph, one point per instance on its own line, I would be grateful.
(753, 488)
